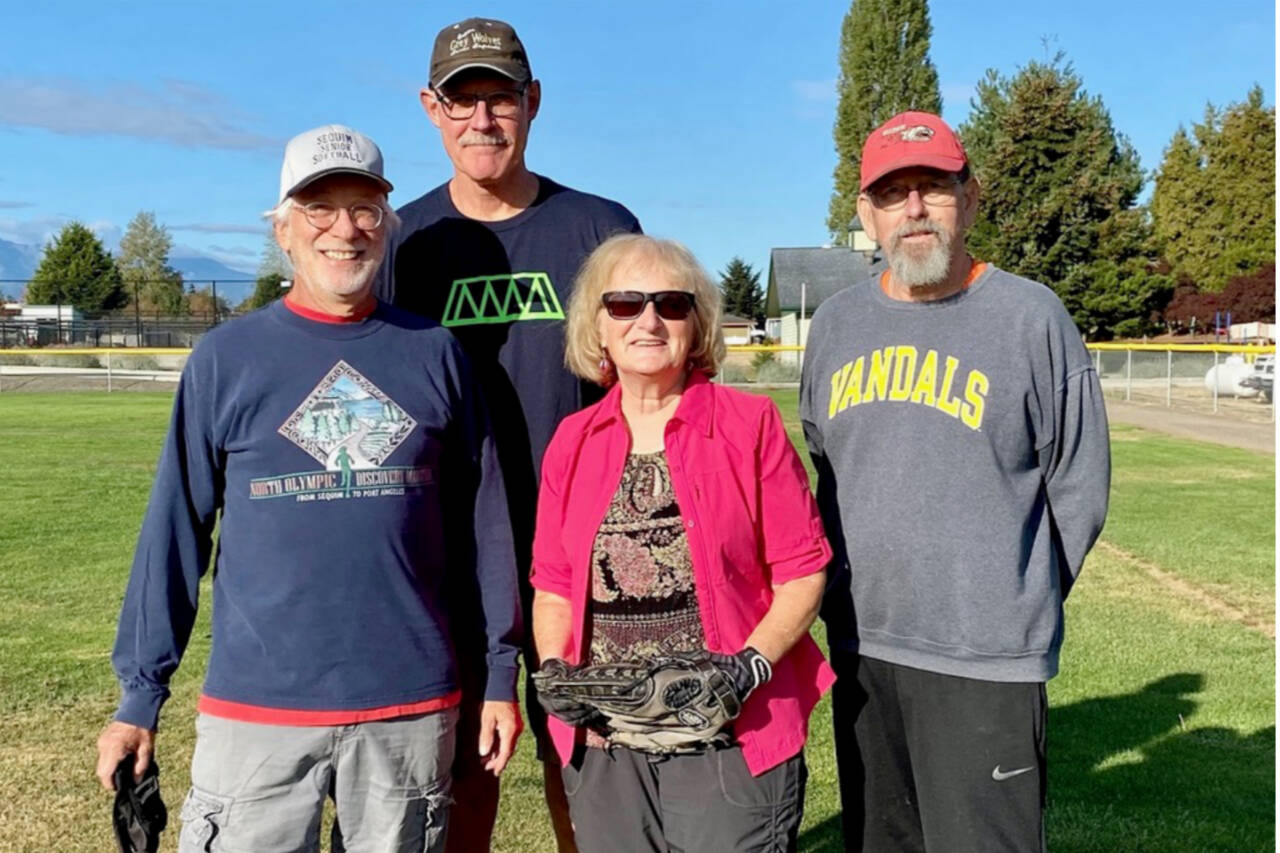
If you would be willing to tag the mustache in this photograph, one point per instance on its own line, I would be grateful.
(906, 229)
(477, 138)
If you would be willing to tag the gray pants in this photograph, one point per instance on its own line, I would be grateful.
(629, 802)
(260, 789)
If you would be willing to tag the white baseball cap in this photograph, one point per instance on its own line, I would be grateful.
(328, 150)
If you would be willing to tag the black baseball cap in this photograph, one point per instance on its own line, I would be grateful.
(479, 43)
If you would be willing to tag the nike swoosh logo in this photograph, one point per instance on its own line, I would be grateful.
(1000, 775)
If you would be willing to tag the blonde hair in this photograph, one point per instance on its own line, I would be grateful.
(582, 351)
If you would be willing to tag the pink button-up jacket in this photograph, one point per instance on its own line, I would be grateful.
(751, 524)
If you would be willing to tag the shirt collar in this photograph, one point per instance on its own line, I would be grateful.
(696, 407)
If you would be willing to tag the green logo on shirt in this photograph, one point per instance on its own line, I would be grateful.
(506, 298)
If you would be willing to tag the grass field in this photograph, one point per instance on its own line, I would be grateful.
(1161, 732)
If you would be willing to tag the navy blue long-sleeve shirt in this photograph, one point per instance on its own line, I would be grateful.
(361, 504)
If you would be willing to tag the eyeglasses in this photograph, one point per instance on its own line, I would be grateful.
(503, 103)
(935, 192)
(323, 215)
(629, 304)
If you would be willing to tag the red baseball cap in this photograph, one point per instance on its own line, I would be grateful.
(911, 139)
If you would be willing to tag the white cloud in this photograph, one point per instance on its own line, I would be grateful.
(32, 232)
(14, 205)
(220, 228)
(235, 251)
(179, 113)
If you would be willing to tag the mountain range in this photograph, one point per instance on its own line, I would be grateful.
(18, 262)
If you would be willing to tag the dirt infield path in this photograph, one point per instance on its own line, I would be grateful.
(1213, 428)
(1192, 593)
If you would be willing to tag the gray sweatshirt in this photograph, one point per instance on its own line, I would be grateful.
(963, 470)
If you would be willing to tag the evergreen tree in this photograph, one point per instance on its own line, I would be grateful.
(1122, 292)
(266, 290)
(741, 287)
(76, 270)
(144, 266)
(1058, 184)
(1213, 206)
(884, 70)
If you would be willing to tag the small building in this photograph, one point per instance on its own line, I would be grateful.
(799, 280)
(737, 331)
(1252, 333)
(47, 324)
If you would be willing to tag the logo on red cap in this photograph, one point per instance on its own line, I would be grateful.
(910, 139)
(910, 133)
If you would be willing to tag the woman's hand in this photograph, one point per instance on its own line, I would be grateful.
(571, 711)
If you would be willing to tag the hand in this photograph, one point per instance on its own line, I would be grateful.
(500, 725)
(748, 669)
(118, 740)
(568, 710)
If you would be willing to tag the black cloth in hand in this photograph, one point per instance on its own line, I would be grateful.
(138, 815)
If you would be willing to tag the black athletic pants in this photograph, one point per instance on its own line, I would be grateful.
(623, 801)
(932, 762)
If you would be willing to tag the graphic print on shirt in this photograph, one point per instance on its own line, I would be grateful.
(503, 298)
(350, 426)
(903, 374)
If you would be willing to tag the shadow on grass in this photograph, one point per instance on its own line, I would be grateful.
(1131, 772)
(826, 837)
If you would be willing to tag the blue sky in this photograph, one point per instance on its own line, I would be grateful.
(711, 121)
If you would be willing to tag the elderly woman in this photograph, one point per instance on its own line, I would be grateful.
(675, 522)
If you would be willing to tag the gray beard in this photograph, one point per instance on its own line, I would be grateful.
(914, 271)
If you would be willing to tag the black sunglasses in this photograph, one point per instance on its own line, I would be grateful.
(629, 304)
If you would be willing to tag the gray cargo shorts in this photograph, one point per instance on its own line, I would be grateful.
(259, 788)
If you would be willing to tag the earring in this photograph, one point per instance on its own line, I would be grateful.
(606, 366)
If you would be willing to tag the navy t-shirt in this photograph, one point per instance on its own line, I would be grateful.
(502, 289)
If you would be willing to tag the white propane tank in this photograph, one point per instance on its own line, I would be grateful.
(1227, 375)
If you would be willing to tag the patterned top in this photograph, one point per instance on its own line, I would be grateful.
(643, 602)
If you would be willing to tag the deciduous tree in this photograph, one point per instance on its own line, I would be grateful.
(144, 266)
(274, 261)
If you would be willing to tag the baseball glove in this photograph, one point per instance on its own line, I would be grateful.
(675, 703)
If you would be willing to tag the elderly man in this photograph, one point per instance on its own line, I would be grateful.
(959, 434)
(492, 254)
(347, 448)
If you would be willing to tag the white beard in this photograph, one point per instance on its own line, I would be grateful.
(918, 269)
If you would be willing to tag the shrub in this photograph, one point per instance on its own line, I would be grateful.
(134, 362)
(49, 359)
(776, 371)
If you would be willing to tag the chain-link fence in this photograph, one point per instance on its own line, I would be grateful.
(1188, 378)
(154, 330)
(1203, 379)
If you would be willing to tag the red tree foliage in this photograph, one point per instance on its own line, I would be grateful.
(1250, 298)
